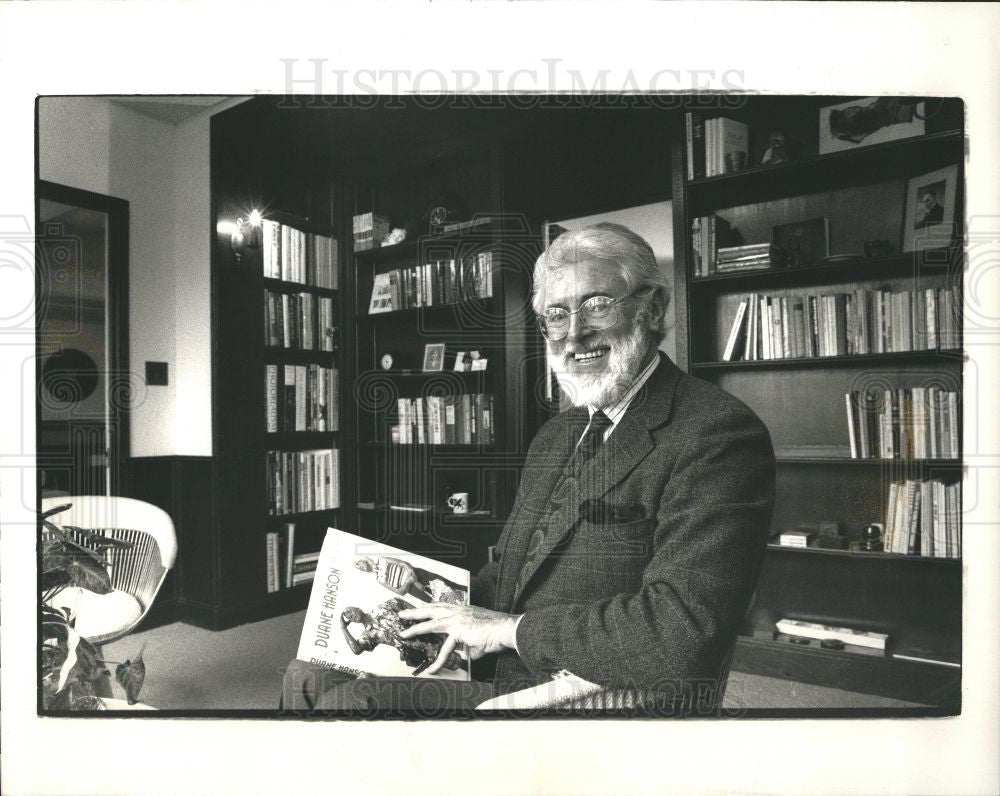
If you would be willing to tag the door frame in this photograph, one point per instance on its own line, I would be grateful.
(117, 211)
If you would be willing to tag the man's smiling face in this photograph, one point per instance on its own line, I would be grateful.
(596, 367)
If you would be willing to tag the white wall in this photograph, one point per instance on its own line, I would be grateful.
(162, 170)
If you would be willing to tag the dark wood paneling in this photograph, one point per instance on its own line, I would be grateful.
(183, 487)
(926, 684)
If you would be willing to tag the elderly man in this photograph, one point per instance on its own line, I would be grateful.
(637, 536)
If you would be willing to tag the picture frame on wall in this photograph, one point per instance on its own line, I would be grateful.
(929, 217)
(868, 121)
(434, 356)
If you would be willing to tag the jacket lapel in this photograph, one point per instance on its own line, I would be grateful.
(630, 443)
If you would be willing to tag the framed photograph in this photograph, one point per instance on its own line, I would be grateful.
(865, 122)
(929, 219)
(434, 356)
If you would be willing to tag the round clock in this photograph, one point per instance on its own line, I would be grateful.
(386, 361)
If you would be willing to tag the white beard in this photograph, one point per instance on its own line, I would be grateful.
(602, 390)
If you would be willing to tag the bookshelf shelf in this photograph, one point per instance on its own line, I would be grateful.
(860, 555)
(284, 286)
(847, 461)
(471, 307)
(302, 515)
(381, 446)
(813, 173)
(931, 261)
(846, 360)
(297, 356)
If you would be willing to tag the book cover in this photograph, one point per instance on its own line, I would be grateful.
(352, 623)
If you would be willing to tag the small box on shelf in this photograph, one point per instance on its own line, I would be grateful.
(369, 230)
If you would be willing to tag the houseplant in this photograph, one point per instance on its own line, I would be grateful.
(71, 666)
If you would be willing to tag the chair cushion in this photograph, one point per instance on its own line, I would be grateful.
(99, 614)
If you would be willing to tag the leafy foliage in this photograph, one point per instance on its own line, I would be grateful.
(70, 664)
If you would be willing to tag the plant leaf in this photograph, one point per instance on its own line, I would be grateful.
(56, 510)
(88, 665)
(85, 571)
(55, 578)
(72, 641)
(130, 676)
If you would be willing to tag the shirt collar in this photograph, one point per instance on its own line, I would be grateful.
(616, 412)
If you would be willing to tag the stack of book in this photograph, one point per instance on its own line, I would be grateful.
(433, 283)
(905, 423)
(710, 140)
(300, 481)
(749, 257)
(924, 518)
(445, 420)
(369, 230)
(861, 322)
(304, 398)
(292, 255)
(298, 320)
(303, 569)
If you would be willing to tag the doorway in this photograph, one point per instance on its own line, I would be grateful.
(82, 374)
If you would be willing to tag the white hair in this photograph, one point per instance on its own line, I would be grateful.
(609, 243)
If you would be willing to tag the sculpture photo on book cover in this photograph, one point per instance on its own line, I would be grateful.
(352, 623)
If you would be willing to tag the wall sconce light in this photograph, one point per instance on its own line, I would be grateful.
(246, 234)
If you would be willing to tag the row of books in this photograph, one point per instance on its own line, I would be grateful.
(433, 283)
(301, 481)
(465, 419)
(369, 229)
(861, 322)
(717, 248)
(905, 423)
(285, 567)
(709, 141)
(298, 320)
(301, 398)
(296, 256)
(924, 518)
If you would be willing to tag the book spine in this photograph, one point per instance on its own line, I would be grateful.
(852, 430)
(953, 422)
(734, 332)
(272, 570)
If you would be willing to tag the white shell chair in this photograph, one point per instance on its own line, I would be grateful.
(136, 572)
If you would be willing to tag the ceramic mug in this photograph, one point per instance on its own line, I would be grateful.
(458, 502)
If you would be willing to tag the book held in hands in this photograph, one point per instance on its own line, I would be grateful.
(352, 623)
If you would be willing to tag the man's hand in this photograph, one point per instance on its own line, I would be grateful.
(481, 631)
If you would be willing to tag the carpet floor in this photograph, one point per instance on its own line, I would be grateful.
(188, 668)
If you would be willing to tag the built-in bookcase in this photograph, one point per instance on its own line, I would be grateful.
(427, 433)
(823, 483)
(279, 397)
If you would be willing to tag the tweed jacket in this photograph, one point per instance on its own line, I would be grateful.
(650, 559)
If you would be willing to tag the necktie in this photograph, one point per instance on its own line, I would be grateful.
(592, 440)
(585, 451)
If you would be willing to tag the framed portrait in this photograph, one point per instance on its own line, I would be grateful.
(929, 218)
(434, 356)
(869, 121)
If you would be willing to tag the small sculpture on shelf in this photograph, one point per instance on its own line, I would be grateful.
(776, 150)
(397, 235)
(871, 538)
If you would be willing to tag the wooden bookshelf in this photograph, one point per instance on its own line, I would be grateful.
(495, 325)
(915, 599)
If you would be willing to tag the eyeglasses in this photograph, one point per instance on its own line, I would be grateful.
(596, 313)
